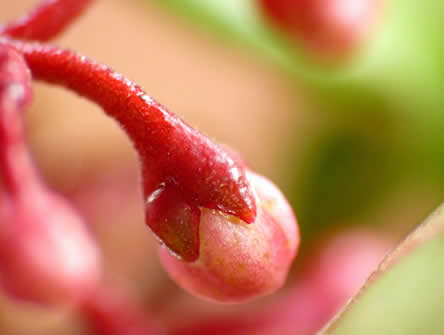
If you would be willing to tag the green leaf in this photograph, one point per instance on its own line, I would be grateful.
(345, 174)
(405, 295)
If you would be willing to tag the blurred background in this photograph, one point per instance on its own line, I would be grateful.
(348, 125)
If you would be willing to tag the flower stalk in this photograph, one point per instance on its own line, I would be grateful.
(200, 199)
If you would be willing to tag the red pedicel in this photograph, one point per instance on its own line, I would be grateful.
(109, 311)
(46, 252)
(194, 189)
(15, 93)
(178, 162)
(331, 28)
(47, 20)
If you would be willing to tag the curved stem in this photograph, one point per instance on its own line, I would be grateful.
(40, 234)
(177, 159)
(16, 167)
(46, 21)
(111, 312)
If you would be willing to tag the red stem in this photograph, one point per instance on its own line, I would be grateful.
(47, 20)
(16, 168)
(182, 169)
(110, 312)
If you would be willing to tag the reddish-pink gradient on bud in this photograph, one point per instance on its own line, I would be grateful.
(238, 261)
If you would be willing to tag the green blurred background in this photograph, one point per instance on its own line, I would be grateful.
(353, 144)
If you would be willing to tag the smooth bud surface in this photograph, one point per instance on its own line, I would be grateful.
(46, 253)
(330, 28)
(240, 261)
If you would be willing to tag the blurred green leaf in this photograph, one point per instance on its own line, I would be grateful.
(347, 172)
(405, 295)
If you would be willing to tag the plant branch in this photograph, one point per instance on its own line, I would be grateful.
(109, 311)
(47, 20)
(178, 162)
(16, 168)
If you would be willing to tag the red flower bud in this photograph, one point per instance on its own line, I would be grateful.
(239, 261)
(330, 28)
(199, 198)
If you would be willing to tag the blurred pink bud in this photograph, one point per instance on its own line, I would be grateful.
(46, 253)
(330, 28)
(239, 261)
(333, 275)
(345, 263)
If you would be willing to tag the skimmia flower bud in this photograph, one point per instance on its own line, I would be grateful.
(46, 252)
(239, 261)
(228, 228)
(188, 181)
(182, 170)
(331, 29)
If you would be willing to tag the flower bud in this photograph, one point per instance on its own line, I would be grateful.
(46, 253)
(330, 28)
(239, 261)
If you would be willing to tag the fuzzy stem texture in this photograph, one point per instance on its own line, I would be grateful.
(182, 169)
(46, 21)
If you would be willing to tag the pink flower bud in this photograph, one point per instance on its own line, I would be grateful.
(345, 263)
(239, 261)
(330, 28)
(46, 253)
